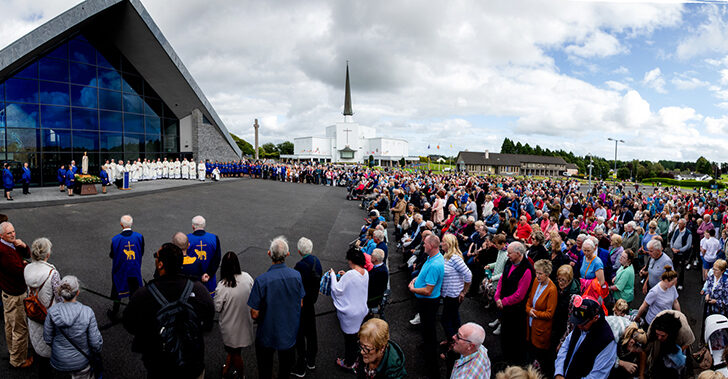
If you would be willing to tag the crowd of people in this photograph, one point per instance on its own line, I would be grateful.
(556, 268)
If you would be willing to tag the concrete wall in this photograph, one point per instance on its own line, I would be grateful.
(185, 135)
(210, 143)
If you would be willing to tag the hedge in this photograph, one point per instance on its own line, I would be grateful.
(684, 183)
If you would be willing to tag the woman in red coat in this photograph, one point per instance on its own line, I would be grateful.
(540, 308)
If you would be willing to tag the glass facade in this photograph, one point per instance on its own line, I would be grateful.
(79, 98)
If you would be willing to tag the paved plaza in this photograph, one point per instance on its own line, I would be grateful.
(246, 214)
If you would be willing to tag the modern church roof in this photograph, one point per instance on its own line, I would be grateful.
(127, 25)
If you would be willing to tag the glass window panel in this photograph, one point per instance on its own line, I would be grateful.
(153, 107)
(168, 112)
(60, 52)
(132, 84)
(81, 52)
(171, 143)
(2, 92)
(170, 126)
(2, 143)
(21, 90)
(133, 123)
(21, 115)
(133, 143)
(53, 69)
(55, 117)
(52, 161)
(111, 142)
(54, 93)
(85, 119)
(110, 100)
(109, 79)
(85, 141)
(133, 103)
(154, 125)
(83, 74)
(107, 60)
(56, 140)
(22, 140)
(2, 115)
(110, 121)
(83, 97)
(153, 142)
(30, 72)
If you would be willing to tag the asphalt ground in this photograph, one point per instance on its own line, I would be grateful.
(246, 214)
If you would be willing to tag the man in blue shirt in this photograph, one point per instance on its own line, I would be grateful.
(426, 287)
(307, 342)
(589, 351)
(275, 303)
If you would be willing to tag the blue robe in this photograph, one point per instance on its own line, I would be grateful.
(104, 178)
(26, 175)
(70, 178)
(8, 181)
(127, 249)
(206, 248)
(61, 176)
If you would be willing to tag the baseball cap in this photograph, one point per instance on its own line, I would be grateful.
(585, 308)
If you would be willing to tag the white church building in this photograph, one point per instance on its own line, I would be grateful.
(349, 142)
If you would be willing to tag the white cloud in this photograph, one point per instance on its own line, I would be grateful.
(708, 37)
(687, 81)
(598, 44)
(716, 125)
(654, 80)
(617, 86)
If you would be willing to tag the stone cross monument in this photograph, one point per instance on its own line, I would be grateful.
(256, 126)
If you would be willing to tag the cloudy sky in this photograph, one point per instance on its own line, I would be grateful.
(561, 74)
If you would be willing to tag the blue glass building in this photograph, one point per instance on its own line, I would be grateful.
(101, 86)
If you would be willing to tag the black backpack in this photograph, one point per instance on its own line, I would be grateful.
(180, 331)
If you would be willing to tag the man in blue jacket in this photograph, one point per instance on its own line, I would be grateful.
(8, 181)
(127, 249)
(26, 178)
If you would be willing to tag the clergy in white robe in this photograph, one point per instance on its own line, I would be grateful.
(160, 169)
(165, 169)
(193, 169)
(185, 166)
(130, 169)
(146, 172)
(177, 169)
(201, 170)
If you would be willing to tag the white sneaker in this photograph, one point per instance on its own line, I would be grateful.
(687, 267)
(416, 320)
(696, 263)
(496, 332)
(679, 288)
(495, 323)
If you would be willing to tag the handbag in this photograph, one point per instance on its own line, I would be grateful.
(94, 359)
(325, 284)
(34, 308)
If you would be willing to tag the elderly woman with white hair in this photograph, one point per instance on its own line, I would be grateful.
(43, 279)
(71, 323)
(591, 266)
(655, 265)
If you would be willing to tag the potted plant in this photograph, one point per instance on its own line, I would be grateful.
(87, 183)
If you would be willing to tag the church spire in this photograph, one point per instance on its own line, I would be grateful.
(347, 97)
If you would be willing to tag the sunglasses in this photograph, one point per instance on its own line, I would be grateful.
(365, 349)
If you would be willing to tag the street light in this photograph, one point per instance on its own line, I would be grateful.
(616, 141)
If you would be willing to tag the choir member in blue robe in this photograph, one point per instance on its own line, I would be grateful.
(127, 249)
(8, 181)
(26, 179)
(104, 180)
(70, 180)
(61, 176)
(206, 248)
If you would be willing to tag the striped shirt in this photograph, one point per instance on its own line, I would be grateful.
(457, 274)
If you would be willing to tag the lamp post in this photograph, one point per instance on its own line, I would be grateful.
(590, 166)
(616, 141)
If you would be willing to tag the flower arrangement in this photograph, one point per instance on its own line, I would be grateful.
(87, 179)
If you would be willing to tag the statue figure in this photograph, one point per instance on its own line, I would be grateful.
(84, 164)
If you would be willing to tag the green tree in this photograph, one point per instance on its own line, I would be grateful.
(507, 147)
(703, 166)
(244, 146)
(285, 147)
(269, 150)
(623, 173)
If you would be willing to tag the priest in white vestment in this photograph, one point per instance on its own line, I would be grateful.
(185, 169)
(201, 170)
